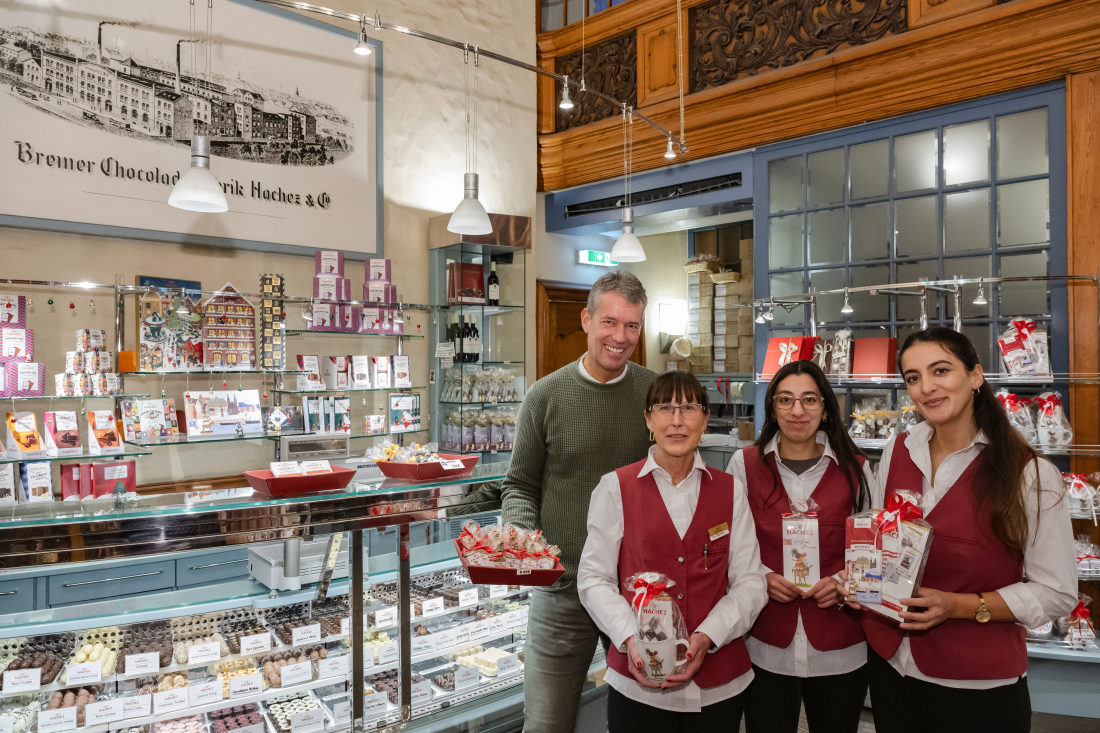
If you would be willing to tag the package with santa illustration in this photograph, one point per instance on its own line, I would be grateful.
(660, 634)
(801, 548)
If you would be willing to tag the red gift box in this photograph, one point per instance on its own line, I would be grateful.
(874, 358)
(785, 349)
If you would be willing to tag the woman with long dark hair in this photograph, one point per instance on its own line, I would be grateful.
(804, 648)
(957, 661)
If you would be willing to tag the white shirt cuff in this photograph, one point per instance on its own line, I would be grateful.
(1023, 604)
(713, 629)
(620, 635)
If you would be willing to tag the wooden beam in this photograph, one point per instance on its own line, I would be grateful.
(1010, 46)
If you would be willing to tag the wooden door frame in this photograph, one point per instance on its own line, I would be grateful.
(545, 292)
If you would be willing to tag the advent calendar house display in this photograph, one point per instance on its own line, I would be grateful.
(172, 336)
(229, 331)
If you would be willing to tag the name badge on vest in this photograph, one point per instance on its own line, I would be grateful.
(721, 530)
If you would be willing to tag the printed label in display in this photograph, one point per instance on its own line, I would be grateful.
(467, 677)
(335, 666)
(307, 720)
(249, 684)
(525, 612)
(23, 680)
(462, 633)
(204, 693)
(444, 639)
(6, 723)
(345, 625)
(107, 711)
(103, 419)
(467, 598)
(341, 713)
(79, 674)
(114, 473)
(51, 721)
(423, 644)
(433, 606)
(138, 706)
(285, 468)
(255, 644)
(497, 623)
(169, 701)
(498, 591)
(204, 652)
(294, 674)
(305, 634)
(479, 629)
(452, 465)
(387, 652)
(507, 665)
(142, 663)
(513, 618)
(375, 705)
(385, 617)
(421, 693)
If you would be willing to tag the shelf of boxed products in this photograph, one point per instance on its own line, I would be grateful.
(51, 398)
(199, 439)
(306, 332)
(83, 458)
(479, 403)
(351, 436)
(393, 390)
(481, 307)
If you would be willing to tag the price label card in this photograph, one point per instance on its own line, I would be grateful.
(523, 571)
(107, 711)
(421, 693)
(445, 638)
(462, 633)
(312, 467)
(337, 666)
(444, 349)
(507, 665)
(498, 591)
(308, 720)
(433, 606)
(204, 652)
(466, 677)
(375, 705)
(79, 674)
(204, 693)
(23, 680)
(51, 721)
(452, 465)
(423, 644)
(387, 652)
(345, 625)
(305, 634)
(513, 618)
(255, 644)
(249, 684)
(496, 623)
(169, 701)
(138, 706)
(341, 713)
(467, 598)
(285, 468)
(385, 617)
(258, 728)
(6, 723)
(142, 663)
(479, 629)
(294, 674)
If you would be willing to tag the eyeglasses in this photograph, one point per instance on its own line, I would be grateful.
(810, 402)
(691, 409)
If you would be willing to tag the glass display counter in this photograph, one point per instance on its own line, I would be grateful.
(356, 613)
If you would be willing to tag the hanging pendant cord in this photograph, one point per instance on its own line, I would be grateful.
(680, 67)
(191, 41)
(466, 96)
(477, 91)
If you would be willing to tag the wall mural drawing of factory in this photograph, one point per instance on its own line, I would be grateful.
(160, 98)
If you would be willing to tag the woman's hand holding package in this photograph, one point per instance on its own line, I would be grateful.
(636, 663)
(826, 592)
(697, 652)
(780, 589)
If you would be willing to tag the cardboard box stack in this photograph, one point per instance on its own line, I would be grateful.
(700, 328)
(745, 356)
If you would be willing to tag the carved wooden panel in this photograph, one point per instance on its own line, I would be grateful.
(610, 67)
(923, 12)
(733, 39)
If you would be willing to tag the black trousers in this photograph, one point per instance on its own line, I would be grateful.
(629, 716)
(907, 705)
(833, 702)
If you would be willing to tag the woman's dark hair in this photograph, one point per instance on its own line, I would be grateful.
(832, 423)
(1004, 459)
(670, 385)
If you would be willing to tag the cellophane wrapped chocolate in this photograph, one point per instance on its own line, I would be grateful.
(660, 634)
(801, 544)
(1019, 415)
(1053, 428)
(1080, 634)
(1088, 558)
(507, 546)
(1080, 494)
(908, 415)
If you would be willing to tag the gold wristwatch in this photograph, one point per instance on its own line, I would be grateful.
(982, 615)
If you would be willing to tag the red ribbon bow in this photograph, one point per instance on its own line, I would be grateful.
(1087, 557)
(1081, 612)
(644, 592)
(1047, 405)
(897, 509)
(1009, 401)
(1024, 328)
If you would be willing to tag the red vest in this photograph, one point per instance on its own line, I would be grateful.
(964, 557)
(652, 544)
(826, 628)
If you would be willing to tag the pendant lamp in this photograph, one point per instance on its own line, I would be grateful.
(628, 248)
(469, 216)
(198, 189)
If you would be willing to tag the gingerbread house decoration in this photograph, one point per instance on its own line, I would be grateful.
(228, 331)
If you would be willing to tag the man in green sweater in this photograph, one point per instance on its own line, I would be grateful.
(577, 424)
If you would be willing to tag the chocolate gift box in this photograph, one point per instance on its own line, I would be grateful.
(801, 550)
(874, 358)
(370, 320)
(331, 287)
(37, 482)
(114, 478)
(22, 436)
(63, 385)
(376, 292)
(377, 271)
(863, 558)
(98, 362)
(336, 371)
(7, 483)
(70, 480)
(13, 311)
(328, 262)
(783, 350)
(16, 344)
(22, 379)
(360, 372)
(61, 434)
(310, 378)
(91, 339)
(347, 318)
(325, 317)
(103, 438)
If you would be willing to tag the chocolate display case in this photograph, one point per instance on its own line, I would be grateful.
(406, 641)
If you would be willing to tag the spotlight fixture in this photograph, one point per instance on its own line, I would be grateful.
(770, 313)
(847, 307)
(198, 189)
(980, 300)
(760, 316)
(362, 47)
(566, 102)
(628, 248)
(669, 152)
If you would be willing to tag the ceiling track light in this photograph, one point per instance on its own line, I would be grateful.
(770, 313)
(760, 316)
(669, 152)
(847, 306)
(980, 300)
(957, 322)
(566, 102)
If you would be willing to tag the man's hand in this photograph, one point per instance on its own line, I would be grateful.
(697, 652)
(634, 662)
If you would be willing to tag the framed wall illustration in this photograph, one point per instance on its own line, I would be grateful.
(101, 98)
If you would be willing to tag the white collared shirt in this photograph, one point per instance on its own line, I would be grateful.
(800, 659)
(590, 378)
(598, 580)
(1050, 560)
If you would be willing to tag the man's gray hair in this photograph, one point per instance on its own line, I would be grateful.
(623, 283)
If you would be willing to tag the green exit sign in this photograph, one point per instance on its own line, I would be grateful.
(595, 257)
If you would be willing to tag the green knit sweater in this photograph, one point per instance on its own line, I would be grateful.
(570, 432)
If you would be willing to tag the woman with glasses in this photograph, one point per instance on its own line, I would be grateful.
(806, 648)
(673, 514)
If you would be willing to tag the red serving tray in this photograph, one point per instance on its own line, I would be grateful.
(509, 576)
(427, 471)
(265, 483)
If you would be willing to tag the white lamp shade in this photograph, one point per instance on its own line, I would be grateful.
(198, 190)
(628, 248)
(470, 218)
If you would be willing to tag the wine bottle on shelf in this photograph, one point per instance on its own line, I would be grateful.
(475, 340)
(456, 339)
(492, 285)
(468, 340)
